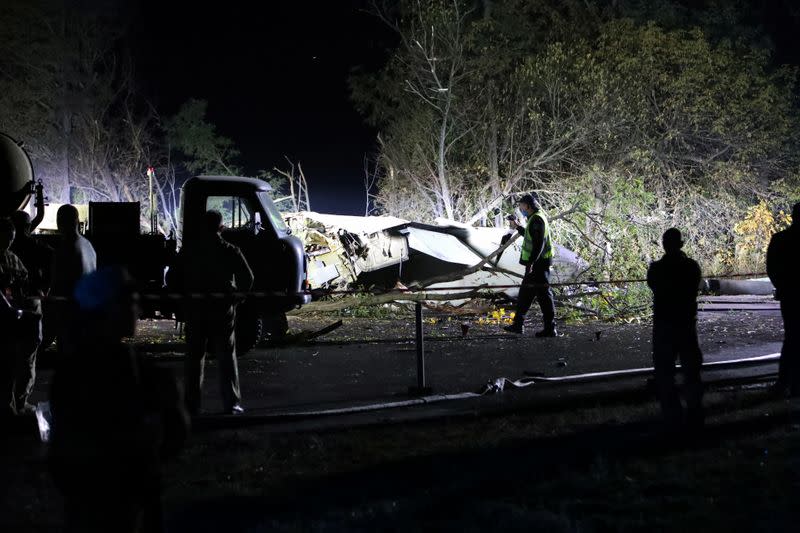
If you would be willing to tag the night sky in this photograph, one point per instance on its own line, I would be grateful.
(275, 76)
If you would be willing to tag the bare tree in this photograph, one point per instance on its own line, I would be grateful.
(168, 194)
(371, 176)
(298, 186)
(432, 61)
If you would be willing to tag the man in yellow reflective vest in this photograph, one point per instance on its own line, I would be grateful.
(537, 256)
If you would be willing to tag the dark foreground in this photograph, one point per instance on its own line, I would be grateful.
(585, 466)
(595, 469)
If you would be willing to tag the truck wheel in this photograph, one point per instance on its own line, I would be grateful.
(249, 328)
(275, 327)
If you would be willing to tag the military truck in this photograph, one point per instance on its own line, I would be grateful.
(251, 220)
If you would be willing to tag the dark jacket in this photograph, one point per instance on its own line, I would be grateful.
(674, 280)
(111, 405)
(211, 265)
(116, 417)
(783, 259)
(37, 258)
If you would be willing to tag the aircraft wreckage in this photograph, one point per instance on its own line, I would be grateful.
(383, 251)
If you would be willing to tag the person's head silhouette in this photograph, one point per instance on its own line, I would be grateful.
(672, 240)
(67, 219)
(212, 222)
(22, 222)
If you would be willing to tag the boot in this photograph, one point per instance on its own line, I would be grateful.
(514, 327)
(549, 332)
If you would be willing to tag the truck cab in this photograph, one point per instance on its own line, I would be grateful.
(253, 223)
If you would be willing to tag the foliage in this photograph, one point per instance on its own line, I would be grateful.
(203, 149)
(67, 90)
(498, 317)
(280, 189)
(627, 119)
(752, 236)
(69, 96)
(359, 309)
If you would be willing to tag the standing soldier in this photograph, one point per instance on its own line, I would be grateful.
(211, 265)
(38, 260)
(675, 280)
(537, 256)
(18, 345)
(783, 258)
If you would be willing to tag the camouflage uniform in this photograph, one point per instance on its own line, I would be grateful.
(19, 347)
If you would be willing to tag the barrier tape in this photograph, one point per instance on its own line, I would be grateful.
(241, 295)
(519, 285)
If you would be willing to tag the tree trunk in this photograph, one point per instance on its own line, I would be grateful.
(444, 186)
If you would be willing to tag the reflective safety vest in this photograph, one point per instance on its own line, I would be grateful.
(527, 243)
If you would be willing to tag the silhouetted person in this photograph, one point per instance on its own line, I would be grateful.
(675, 280)
(36, 256)
(38, 260)
(18, 340)
(537, 256)
(116, 416)
(783, 268)
(74, 257)
(211, 265)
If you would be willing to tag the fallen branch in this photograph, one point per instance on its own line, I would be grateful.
(480, 265)
(577, 295)
(578, 307)
(501, 270)
(467, 271)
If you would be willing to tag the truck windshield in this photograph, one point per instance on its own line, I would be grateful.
(274, 215)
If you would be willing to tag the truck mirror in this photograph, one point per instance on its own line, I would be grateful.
(257, 223)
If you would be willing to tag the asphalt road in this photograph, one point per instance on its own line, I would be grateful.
(375, 359)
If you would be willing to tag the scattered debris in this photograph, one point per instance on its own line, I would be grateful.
(496, 386)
